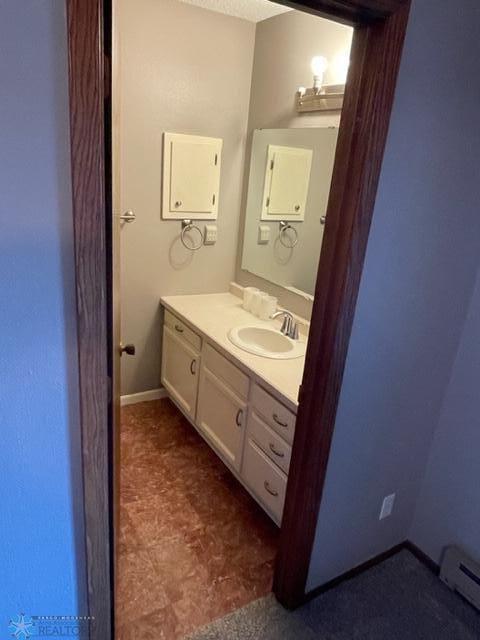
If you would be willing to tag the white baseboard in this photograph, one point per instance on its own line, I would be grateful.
(144, 396)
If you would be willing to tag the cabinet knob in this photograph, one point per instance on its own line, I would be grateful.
(239, 418)
(193, 367)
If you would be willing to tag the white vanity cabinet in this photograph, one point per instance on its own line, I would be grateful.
(267, 451)
(180, 364)
(221, 417)
(249, 428)
(222, 405)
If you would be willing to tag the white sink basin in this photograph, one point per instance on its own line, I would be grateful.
(267, 342)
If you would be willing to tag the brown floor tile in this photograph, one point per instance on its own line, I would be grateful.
(193, 543)
(139, 591)
(158, 625)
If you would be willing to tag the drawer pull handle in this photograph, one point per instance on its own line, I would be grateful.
(278, 421)
(272, 492)
(273, 450)
(178, 328)
(239, 418)
(193, 367)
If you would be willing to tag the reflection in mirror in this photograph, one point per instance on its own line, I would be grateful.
(288, 188)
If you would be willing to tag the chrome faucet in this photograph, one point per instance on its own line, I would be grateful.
(289, 326)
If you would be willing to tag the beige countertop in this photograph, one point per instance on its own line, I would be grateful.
(213, 315)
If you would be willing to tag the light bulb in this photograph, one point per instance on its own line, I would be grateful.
(318, 65)
(340, 65)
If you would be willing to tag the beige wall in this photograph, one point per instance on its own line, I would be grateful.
(284, 47)
(186, 70)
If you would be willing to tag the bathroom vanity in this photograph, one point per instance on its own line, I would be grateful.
(244, 405)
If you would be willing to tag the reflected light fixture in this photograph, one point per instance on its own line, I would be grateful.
(318, 65)
(322, 97)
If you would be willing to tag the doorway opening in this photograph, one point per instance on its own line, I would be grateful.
(377, 43)
(222, 164)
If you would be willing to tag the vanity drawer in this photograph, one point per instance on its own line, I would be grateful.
(269, 441)
(274, 413)
(265, 480)
(225, 370)
(181, 329)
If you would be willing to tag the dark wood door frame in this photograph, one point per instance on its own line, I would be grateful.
(88, 91)
(375, 60)
(380, 27)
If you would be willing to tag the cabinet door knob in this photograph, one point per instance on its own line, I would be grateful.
(193, 367)
(239, 418)
(178, 328)
(271, 491)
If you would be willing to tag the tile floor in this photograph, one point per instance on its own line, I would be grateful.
(193, 544)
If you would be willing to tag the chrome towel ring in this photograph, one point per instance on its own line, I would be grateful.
(282, 235)
(187, 225)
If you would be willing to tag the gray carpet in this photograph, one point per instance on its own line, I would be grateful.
(399, 599)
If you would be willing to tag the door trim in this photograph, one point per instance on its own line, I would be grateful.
(88, 162)
(377, 45)
(375, 60)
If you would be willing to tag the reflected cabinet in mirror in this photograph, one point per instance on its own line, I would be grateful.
(287, 196)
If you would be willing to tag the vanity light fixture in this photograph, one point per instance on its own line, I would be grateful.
(321, 97)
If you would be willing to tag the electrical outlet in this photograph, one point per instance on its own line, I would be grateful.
(387, 506)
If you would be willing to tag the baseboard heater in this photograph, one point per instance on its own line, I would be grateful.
(461, 574)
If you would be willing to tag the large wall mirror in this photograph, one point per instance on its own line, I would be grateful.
(291, 142)
(287, 195)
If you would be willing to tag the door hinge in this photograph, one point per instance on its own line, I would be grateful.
(213, 199)
(216, 159)
(267, 202)
(272, 164)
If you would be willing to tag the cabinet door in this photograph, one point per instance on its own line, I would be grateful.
(221, 417)
(191, 176)
(287, 179)
(180, 371)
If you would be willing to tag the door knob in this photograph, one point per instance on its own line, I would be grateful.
(128, 216)
(129, 349)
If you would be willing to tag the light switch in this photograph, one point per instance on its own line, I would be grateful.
(210, 235)
(263, 234)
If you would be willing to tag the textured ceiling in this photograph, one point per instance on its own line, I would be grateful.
(252, 10)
